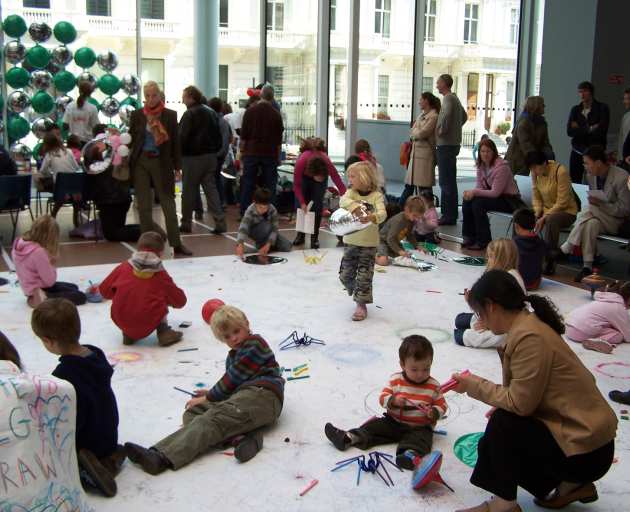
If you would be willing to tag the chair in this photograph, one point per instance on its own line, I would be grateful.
(15, 196)
(68, 186)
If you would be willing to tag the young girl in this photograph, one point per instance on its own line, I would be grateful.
(604, 322)
(74, 144)
(426, 226)
(365, 201)
(34, 256)
(364, 151)
(470, 331)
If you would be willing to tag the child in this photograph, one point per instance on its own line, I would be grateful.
(74, 144)
(531, 248)
(248, 396)
(364, 151)
(414, 403)
(426, 226)
(141, 291)
(469, 329)
(604, 322)
(34, 256)
(56, 322)
(365, 201)
(399, 227)
(260, 223)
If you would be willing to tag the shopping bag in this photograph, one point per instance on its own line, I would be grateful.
(305, 221)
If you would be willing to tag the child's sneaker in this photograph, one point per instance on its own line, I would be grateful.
(337, 437)
(94, 474)
(168, 337)
(248, 446)
(409, 459)
(151, 460)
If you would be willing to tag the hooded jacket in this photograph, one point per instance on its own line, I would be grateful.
(607, 311)
(531, 252)
(32, 266)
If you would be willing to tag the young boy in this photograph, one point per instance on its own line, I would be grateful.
(56, 322)
(414, 403)
(260, 223)
(397, 228)
(141, 292)
(248, 396)
(531, 248)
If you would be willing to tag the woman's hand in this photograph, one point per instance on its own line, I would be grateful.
(540, 224)
(469, 195)
(304, 207)
(464, 382)
(193, 402)
(201, 392)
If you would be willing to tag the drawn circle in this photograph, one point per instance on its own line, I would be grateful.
(355, 355)
(616, 370)
(433, 334)
(465, 448)
(125, 357)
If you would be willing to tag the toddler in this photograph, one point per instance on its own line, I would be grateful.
(425, 227)
(397, 228)
(531, 248)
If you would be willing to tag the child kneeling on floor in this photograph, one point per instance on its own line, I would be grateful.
(141, 291)
(531, 248)
(426, 228)
(414, 404)
(248, 396)
(56, 322)
(399, 227)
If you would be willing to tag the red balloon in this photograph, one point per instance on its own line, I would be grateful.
(209, 308)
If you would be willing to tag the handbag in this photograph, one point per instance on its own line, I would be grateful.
(405, 154)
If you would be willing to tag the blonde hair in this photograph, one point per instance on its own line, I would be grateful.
(365, 176)
(151, 84)
(45, 232)
(225, 318)
(415, 204)
(534, 105)
(502, 255)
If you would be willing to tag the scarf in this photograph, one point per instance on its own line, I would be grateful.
(153, 122)
(145, 264)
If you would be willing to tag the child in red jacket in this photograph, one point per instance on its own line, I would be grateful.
(141, 292)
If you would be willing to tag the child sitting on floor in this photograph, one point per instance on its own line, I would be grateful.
(141, 291)
(414, 403)
(604, 322)
(470, 330)
(56, 322)
(398, 228)
(248, 396)
(35, 255)
(531, 248)
(260, 223)
(425, 227)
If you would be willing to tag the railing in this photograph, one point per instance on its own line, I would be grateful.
(469, 138)
(37, 15)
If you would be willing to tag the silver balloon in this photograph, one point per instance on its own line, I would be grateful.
(18, 102)
(86, 76)
(19, 150)
(41, 126)
(41, 79)
(61, 55)
(40, 32)
(107, 61)
(62, 102)
(110, 106)
(130, 84)
(15, 52)
(342, 222)
(125, 113)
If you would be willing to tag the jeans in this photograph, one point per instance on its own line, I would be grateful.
(269, 168)
(476, 224)
(113, 222)
(200, 170)
(70, 291)
(447, 178)
(260, 234)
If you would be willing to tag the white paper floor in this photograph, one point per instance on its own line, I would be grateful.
(345, 378)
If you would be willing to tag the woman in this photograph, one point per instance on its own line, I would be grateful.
(421, 168)
(529, 134)
(553, 201)
(81, 116)
(550, 431)
(495, 190)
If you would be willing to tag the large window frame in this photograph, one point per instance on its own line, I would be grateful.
(382, 17)
(152, 9)
(98, 8)
(36, 4)
(275, 15)
(514, 25)
(224, 13)
(471, 23)
(430, 20)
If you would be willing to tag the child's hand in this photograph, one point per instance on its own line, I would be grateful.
(395, 401)
(264, 250)
(490, 412)
(404, 253)
(433, 414)
(201, 392)
(240, 250)
(479, 326)
(193, 402)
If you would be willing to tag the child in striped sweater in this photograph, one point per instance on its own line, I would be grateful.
(414, 403)
(248, 396)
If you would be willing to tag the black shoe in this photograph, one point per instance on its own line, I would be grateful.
(249, 446)
(582, 274)
(622, 397)
(151, 460)
(95, 474)
(219, 227)
(199, 215)
(477, 246)
(182, 250)
(185, 227)
(337, 437)
(467, 242)
(550, 267)
(443, 221)
(300, 238)
(314, 242)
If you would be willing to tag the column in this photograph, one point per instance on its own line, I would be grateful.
(206, 46)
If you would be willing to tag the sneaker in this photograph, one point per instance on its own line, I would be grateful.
(248, 446)
(219, 227)
(339, 438)
(299, 239)
(582, 274)
(151, 460)
(622, 397)
(169, 337)
(409, 459)
(95, 474)
(182, 250)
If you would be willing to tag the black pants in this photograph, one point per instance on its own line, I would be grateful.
(518, 451)
(576, 167)
(385, 430)
(462, 323)
(113, 218)
(70, 291)
(476, 225)
(314, 191)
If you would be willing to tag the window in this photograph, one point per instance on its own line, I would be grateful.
(98, 8)
(275, 14)
(471, 20)
(514, 21)
(223, 82)
(427, 83)
(153, 69)
(472, 95)
(382, 15)
(223, 13)
(429, 20)
(37, 4)
(333, 14)
(275, 76)
(383, 94)
(509, 96)
(152, 9)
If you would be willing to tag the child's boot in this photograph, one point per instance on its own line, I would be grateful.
(168, 336)
(408, 459)
(151, 460)
(249, 445)
(95, 475)
(337, 437)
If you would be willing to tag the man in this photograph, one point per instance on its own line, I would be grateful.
(449, 139)
(587, 126)
(261, 140)
(609, 206)
(155, 156)
(7, 165)
(216, 104)
(200, 140)
(623, 144)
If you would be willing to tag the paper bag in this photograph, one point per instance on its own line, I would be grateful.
(305, 222)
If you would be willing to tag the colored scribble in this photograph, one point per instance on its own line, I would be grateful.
(615, 370)
(124, 357)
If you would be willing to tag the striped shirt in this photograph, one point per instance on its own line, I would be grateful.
(252, 364)
(427, 395)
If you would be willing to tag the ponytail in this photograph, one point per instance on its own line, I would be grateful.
(547, 312)
(85, 91)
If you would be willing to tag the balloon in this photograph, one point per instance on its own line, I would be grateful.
(17, 127)
(125, 113)
(38, 57)
(107, 61)
(18, 102)
(84, 57)
(109, 84)
(64, 81)
(14, 26)
(15, 52)
(41, 126)
(65, 32)
(86, 76)
(130, 84)
(62, 102)
(39, 32)
(41, 80)
(131, 101)
(110, 106)
(61, 55)
(342, 222)
(209, 309)
(20, 150)
(17, 77)
(95, 103)
(36, 150)
(43, 103)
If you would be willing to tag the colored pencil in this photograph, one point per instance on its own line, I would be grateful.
(309, 487)
(298, 378)
(184, 391)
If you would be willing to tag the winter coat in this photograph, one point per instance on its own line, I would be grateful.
(421, 168)
(529, 134)
(32, 266)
